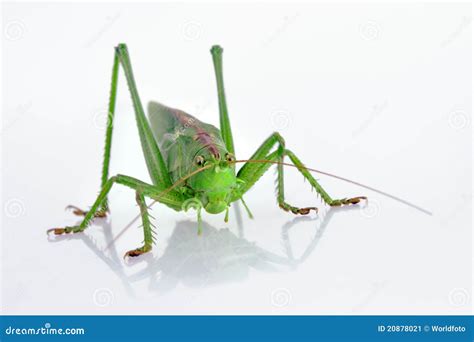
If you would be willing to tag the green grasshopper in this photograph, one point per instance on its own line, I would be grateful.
(191, 163)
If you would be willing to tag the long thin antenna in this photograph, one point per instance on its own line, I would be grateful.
(414, 206)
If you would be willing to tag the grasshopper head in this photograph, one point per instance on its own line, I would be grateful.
(214, 186)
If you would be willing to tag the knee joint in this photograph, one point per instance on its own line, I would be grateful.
(279, 138)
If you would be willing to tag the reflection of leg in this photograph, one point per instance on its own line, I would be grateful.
(238, 219)
(286, 236)
(324, 222)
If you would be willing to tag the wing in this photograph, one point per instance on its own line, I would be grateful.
(168, 124)
(162, 120)
(180, 136)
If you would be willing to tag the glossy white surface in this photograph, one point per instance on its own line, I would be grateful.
(378, 94)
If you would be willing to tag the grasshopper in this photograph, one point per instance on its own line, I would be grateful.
(191, 164)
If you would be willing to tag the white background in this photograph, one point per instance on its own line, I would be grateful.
(377, 93)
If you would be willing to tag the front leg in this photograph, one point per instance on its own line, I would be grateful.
(148, 232)
(251, 172)
(172, 199)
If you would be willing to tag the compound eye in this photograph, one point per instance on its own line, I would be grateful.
(199, 160)
(229, 157)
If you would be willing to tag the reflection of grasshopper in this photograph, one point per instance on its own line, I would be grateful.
(191, 163)
(217, 256)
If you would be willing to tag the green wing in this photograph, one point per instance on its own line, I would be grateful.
(162, 120)
(175, 132)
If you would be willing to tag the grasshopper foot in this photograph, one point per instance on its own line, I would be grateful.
(297, 211)
(137, 252)
(347, 201)
(79, 212)
(65, 230)
(304, 211)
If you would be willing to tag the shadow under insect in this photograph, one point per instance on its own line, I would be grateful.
(216, 257)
